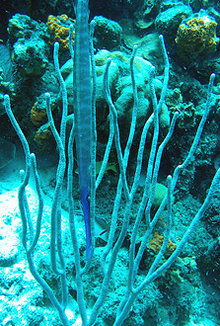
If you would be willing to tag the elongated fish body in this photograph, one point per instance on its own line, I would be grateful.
(83, 110)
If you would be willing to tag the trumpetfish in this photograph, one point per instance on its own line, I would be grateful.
(83, 111)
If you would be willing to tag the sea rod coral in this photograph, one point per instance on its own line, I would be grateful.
(109, 255)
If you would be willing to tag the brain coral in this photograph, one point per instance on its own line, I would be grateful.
(196, 35)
